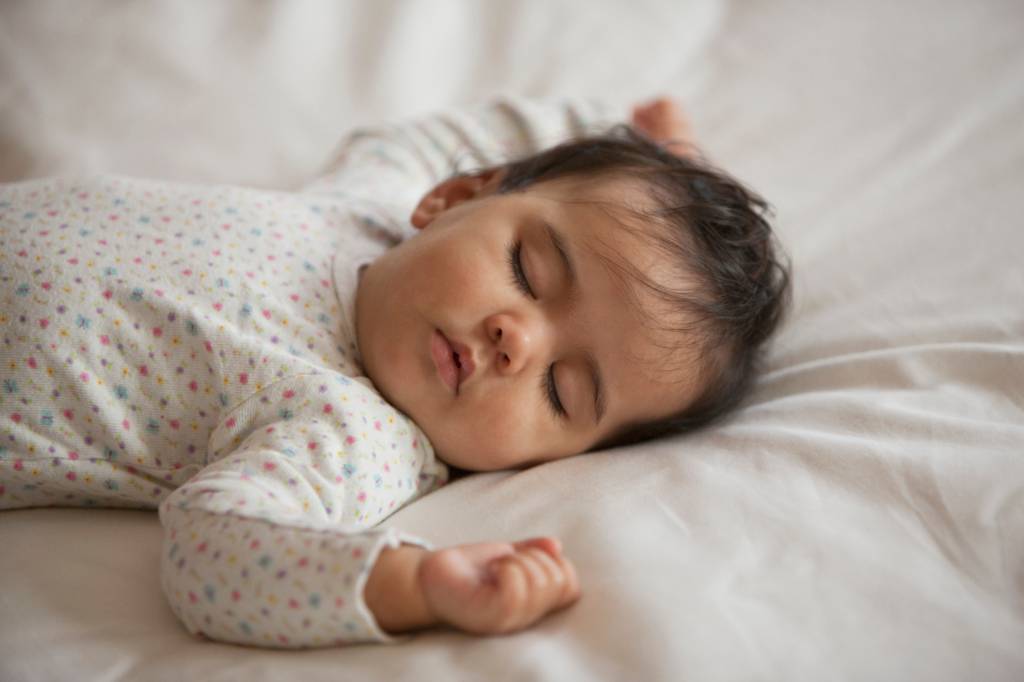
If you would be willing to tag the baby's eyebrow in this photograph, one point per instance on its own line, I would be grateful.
(561, 245)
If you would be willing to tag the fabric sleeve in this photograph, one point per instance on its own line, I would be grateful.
(272, 542)
(391, 167)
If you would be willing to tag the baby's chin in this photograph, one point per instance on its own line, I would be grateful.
(457, 459)
(467, 459)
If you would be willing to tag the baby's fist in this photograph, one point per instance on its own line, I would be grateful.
(664, 121)
(498, 587)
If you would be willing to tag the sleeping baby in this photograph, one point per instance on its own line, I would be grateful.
(279, 372)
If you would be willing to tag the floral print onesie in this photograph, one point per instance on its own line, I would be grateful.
(192, 349)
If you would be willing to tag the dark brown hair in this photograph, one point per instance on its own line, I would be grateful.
(715, 228)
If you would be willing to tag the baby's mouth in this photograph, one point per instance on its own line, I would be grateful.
(463, 358)
(451, 359)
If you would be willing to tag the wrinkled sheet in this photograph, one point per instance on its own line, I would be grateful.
(861, 518)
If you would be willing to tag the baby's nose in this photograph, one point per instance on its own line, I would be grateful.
(512, 342)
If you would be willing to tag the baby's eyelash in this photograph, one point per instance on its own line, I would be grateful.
(547, 386)
(547, 378)
(515, 263)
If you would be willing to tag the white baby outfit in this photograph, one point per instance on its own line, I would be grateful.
(192, 349)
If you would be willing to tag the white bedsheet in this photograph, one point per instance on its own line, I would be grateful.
(861, 519)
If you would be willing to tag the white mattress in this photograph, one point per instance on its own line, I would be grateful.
(862, 518)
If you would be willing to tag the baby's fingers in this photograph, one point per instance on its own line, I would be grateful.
(531, 583)
(560, 586)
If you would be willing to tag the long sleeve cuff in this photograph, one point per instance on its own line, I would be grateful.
(249, 581)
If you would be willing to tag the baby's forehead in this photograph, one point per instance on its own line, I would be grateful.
(611, 189)
(617, 221)
(637, 267)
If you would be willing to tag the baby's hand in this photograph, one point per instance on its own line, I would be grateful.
(664, 121)
(497, 587)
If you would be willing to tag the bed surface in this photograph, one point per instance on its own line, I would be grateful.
(862, 518)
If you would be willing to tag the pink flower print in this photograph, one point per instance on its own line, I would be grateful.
(158, 332)
(84, 376)
(293, 603)
(358, 552)
(269, 466)
(266, 313)
(31, 362)
(44, 323)
(231, 423)
(192, 598)
(218, 306)
(339, 602)
(175, 423)
(17, 465)
(46, 286)
(186, 272)
(289, 394)
(70, 475)
(69, 415)
(126, 425)
(350, 440)
(208, 346)
(294, 297)
(243, 378)
(108, 294)
(159, 292)
(105, 340)
(72, 261)
(377, 425)
(311, 445)
(328, 409)
(235, 595)
(193, 385)
(255, 544)
(16, 418)
(361, 497)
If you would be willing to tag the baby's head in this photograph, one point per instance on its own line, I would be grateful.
(599, 293)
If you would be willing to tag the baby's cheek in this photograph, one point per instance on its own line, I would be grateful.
(507, 433)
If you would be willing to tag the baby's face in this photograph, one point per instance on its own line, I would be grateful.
(552, 355)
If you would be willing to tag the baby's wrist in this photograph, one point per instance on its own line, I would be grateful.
(393, 593)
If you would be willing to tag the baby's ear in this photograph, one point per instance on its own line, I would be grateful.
(453, 192)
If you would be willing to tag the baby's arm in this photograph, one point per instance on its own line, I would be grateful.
(274, 542)
(392, 166)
